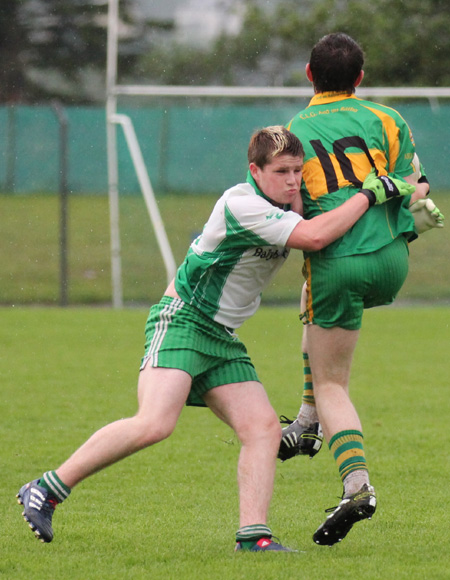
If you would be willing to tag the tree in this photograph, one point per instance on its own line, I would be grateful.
(252, 56)
(57, 48)
(405, 43)
(12, 35)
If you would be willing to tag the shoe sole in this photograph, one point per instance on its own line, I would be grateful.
(329, 537)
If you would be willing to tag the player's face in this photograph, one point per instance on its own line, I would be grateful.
(280, 179)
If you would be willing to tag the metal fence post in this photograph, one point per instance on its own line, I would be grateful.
(63, 194)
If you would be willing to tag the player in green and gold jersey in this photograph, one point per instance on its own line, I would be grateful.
(345, 138)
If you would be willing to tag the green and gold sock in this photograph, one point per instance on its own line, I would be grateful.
(307, 414)
(348, 451)
(308, 390)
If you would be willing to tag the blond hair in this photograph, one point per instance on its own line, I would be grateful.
(269, 142)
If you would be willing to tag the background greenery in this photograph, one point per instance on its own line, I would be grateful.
(405, 44)
(171, 511)
(57, 48)
(29, 260)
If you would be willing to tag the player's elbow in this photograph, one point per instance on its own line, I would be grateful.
(315, 242)
(307, 237)
(307, 244)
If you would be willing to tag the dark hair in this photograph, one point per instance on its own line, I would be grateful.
(335, 63)
(270, 142)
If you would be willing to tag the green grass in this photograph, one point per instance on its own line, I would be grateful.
(29, 260)
(171, 511)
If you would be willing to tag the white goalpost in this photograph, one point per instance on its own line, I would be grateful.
(113, 120)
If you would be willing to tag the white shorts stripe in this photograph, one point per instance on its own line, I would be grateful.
(161, 327)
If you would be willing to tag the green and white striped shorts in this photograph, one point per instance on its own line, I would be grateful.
(180, 336)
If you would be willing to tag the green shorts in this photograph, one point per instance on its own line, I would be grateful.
(180, 336)
(340, 288)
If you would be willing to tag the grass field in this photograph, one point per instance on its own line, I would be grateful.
(29, 260)
(171, 511)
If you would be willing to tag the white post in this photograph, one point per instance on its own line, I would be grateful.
(111, 138)
(148, 193)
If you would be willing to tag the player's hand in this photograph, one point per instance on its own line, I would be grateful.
(384, 187)
(426, 215)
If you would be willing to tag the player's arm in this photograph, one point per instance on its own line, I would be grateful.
(314, 234)
(320, 231)
(418, 179)
(422, 189)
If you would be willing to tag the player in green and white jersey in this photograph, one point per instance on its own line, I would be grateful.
(192, 354)
(345, 138)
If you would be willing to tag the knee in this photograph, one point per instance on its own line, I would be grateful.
(273, 427)
(149, 433)
(265, 429)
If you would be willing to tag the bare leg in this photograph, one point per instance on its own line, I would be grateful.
(331, 354)
(238, 405)
(162, 394)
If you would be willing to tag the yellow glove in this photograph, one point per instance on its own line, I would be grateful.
(383, 188)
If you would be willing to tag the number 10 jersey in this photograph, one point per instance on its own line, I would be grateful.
(344, 137)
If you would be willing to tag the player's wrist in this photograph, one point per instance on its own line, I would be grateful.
(423, 179)
(370, 196)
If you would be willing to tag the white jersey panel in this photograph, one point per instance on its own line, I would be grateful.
(241, 248)
(242, 291)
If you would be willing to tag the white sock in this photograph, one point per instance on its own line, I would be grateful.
(307, 415)
(355, 480)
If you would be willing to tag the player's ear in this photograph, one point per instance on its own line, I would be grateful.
(359, 78)
(253, 170)
(308, 73)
